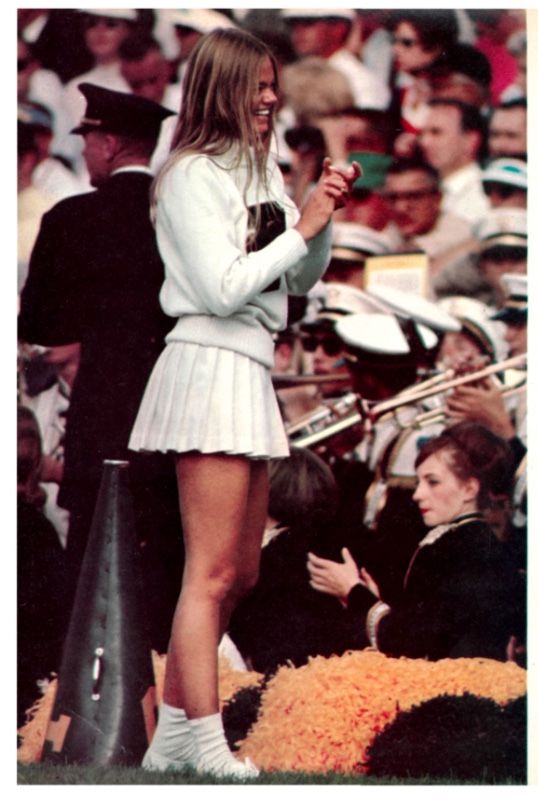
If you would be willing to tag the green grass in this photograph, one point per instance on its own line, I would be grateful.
(47, 774)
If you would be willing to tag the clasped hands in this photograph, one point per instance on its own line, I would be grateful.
(338, 578)
(338, 181)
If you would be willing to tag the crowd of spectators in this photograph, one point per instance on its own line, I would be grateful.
(432, 104)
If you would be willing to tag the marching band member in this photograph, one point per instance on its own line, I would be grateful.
(459, 596)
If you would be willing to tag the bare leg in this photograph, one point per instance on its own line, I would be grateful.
(222, 499)
(251, 539)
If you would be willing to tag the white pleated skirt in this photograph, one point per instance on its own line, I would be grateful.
(210, 400)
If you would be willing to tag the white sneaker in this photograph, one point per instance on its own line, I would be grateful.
(154, 762)
(230, 768)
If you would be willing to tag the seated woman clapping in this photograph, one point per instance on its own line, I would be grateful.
(460, 597)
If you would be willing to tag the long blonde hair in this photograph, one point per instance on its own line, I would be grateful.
(216, 107)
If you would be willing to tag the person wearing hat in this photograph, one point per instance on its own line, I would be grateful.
(352, 244)
(94, 278)
(484, 402)
(323, 32)
(502, 237)
(104, 31)
(386, 353)
(501, 248)
(514, 312)
(319, 336)
(505, 182)
(480, 341)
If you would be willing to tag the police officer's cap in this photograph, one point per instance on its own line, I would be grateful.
(118, 112)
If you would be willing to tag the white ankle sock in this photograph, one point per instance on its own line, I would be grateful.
(214, 754)
(172, 742)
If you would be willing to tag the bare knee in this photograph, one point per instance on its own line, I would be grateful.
(215, 585)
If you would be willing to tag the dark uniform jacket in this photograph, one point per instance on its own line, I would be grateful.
(94, 278)
(460, 599)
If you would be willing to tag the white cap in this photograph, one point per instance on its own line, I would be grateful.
(475, 318)
(117, 13)
(351, 240)
(202, 20)
(349, 299)
(318, 13)
(515, 285)
(503, 225)
(516, 302)
(511, 171)
(416, 307)
(380, 334)
(339, 299)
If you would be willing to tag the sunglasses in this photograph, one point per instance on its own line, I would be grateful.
(412, 197)
(405, 41)
(331, 346)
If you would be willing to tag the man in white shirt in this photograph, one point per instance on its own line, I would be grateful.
(451, 140)
(323, 33)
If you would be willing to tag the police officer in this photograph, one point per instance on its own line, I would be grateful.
(94, 279)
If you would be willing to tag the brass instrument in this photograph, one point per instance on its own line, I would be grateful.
(421, 394)
(367, 412)
(322, 416)
(342, 410)
(283, 381)
(439, 414)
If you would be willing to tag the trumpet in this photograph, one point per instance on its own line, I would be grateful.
(282, 381)
(516, 362)
(367, 412)
(440, 414)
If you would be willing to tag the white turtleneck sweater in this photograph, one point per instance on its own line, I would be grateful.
(217, 290)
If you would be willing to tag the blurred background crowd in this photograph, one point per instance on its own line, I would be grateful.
(427, 284)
